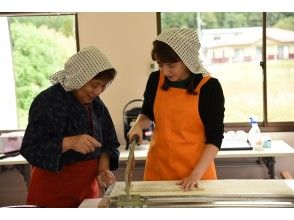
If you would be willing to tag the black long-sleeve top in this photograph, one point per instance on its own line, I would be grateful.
(55, 114)
(211, 105)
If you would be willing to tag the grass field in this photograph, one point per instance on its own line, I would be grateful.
(242, 85)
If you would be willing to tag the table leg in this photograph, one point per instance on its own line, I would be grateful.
(269, 162)
(25, 171)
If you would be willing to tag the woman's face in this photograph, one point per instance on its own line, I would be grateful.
(174, 71)
(90, 91)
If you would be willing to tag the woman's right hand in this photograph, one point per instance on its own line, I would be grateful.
(135, 130)
(80, 143)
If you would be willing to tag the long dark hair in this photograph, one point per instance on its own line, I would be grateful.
(163, 53)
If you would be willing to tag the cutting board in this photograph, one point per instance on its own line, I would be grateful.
(244, 187)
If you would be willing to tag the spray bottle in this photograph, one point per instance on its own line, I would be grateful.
(254, 135)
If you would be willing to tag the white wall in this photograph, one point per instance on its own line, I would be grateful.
(126, 38)
(8, 111)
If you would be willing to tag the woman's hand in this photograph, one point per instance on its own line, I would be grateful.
(189, 182)
(105, 178)
(206, 159)
(80, 143)
(142, 122)
(135, 130)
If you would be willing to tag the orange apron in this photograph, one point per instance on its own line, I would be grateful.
(179, 136)
(67, 188)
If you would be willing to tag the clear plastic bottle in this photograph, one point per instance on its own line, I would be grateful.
(254, 135)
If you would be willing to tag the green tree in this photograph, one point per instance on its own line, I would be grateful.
(286, 23)
(234, 20)
(227, 19)
(209, 20)
(60, 23)
(178, 19)
(272, 18)
(37, 53)
(254, 19)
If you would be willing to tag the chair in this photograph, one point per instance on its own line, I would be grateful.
(286, 175)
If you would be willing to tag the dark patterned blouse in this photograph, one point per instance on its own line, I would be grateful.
(55, 114)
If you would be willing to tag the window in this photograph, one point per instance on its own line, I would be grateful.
(34, 47)
(280, 68)
(234, 45)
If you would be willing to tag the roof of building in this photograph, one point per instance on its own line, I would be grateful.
(212, 38)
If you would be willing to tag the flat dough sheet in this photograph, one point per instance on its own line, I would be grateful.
(243, 187)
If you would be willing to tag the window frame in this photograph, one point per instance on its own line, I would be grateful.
(265, 125)
(75, 14)
(18, 14)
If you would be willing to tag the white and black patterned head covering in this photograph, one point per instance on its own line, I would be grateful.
(185, 42)
(80, 68)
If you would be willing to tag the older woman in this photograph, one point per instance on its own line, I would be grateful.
(70, 139)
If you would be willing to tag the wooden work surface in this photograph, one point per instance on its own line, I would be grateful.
(260, 187)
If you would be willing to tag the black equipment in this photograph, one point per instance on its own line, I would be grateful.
(129, 117)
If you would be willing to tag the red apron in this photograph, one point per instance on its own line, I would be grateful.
(67, 188)
(179, 136)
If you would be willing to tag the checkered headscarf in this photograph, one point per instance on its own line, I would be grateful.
(80, 68)
(185, 42)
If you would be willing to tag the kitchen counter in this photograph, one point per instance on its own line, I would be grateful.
(279, 148)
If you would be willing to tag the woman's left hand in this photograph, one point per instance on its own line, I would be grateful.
(105, 178)
(189, 182)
